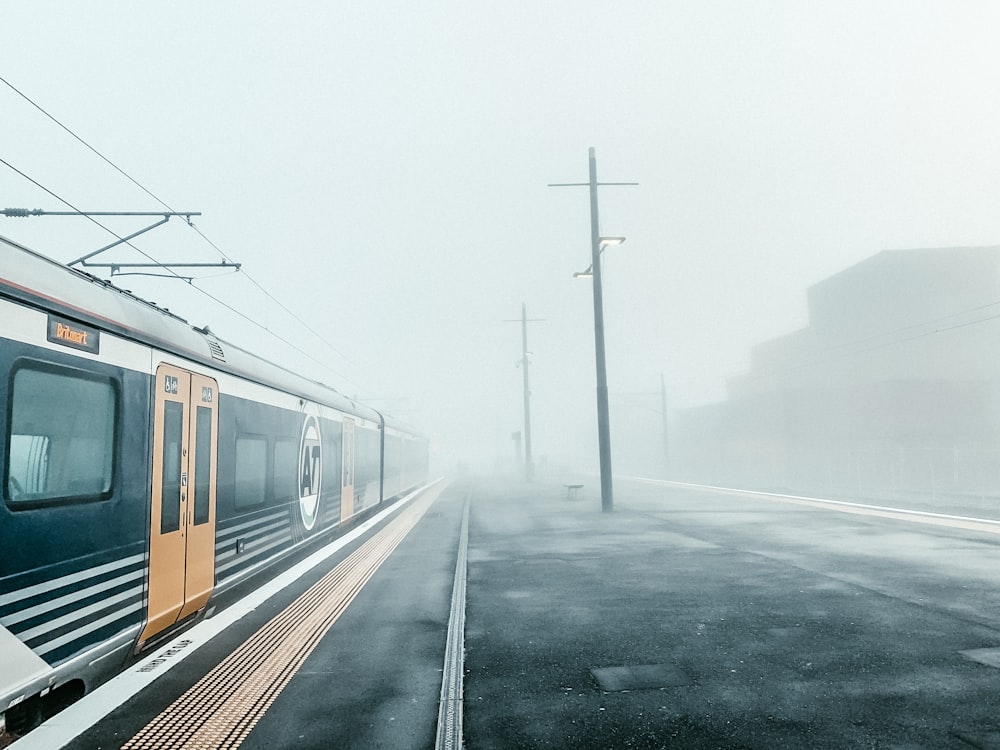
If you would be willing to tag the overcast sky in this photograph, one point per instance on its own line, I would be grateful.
(381, 169)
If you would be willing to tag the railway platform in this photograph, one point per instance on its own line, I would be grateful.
(499, 614)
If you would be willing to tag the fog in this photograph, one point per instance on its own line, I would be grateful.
(381, 171)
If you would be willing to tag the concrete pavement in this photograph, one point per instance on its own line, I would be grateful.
(684, 619)
(697, 620)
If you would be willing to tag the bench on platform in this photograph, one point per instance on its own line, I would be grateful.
(572, 490)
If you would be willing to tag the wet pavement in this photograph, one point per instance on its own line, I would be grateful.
(697, 620)
(684, 619)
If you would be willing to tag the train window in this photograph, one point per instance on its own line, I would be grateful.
(170, 497)
(202, 464)
(251, 471)
(61, 438)
(286, 475)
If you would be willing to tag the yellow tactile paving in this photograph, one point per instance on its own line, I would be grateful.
(225, 705)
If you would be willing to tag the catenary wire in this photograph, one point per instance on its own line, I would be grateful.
(159, 200)
(817, 359)
(214, 245)
(81, 140)
(174, 274)
(90, 218)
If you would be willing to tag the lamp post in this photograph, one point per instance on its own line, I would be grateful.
(603, 417)
(597, 245)
(529, 466)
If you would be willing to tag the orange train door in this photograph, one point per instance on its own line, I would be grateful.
(182, 522)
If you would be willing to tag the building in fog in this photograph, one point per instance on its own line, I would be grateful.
(892, 388)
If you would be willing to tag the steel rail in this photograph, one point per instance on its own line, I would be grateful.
(449, 728)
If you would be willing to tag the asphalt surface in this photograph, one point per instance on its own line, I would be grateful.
(684, 619)
(695, 620)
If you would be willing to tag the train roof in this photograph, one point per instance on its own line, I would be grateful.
(28, 276)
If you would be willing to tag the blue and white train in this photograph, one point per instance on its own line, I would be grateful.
(148, 466)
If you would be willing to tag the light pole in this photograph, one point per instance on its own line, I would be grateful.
(597, 245)
(666, 433)
(603, 417)
(529, 466)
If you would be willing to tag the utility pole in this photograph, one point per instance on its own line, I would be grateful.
(666, 434)
(603, 418)
(529, 467)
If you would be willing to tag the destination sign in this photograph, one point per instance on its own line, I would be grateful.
(74, 335)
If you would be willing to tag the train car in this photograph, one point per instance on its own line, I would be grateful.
(148, 466)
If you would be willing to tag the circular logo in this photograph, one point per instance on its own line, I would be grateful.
(310, 472)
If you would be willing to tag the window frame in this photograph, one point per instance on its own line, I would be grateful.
(263, 503)
(78, 373)
(201, 487)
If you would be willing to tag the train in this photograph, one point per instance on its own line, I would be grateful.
(149, 466)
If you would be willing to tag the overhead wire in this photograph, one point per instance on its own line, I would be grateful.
(90, 218)
(81, 140)
(148, 192)
(169, 208)
(819, 359)
(174, 274)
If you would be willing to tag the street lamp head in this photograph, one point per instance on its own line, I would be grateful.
(584, 274)
(609, 241)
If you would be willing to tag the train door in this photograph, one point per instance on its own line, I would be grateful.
(182, 522)
(347, 486)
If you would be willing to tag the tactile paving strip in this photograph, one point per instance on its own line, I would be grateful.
(221, 709)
